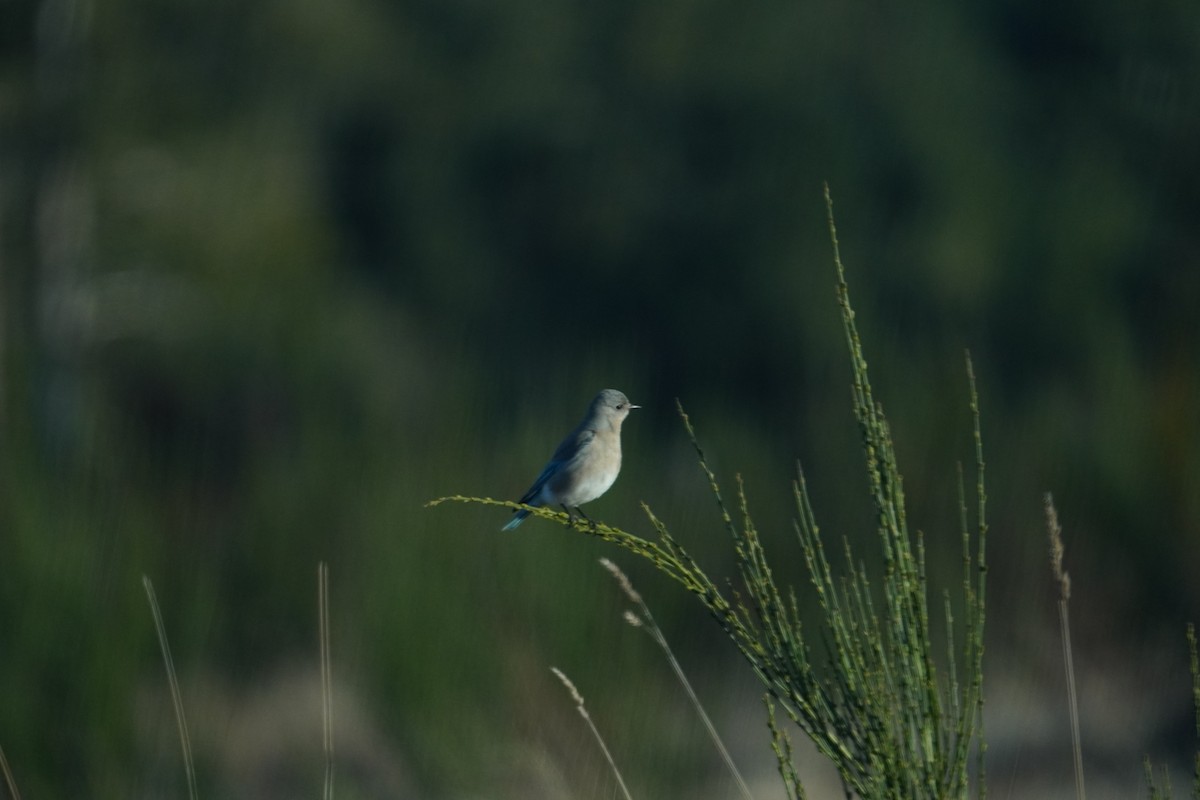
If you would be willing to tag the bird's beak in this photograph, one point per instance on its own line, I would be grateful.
(632, 406)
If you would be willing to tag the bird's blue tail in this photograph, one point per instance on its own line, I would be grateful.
(518, 517)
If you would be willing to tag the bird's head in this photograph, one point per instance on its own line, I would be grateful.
(611, 405)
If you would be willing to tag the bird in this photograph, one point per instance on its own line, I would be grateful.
(586, 462)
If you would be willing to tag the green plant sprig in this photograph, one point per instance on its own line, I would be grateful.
(880, 710)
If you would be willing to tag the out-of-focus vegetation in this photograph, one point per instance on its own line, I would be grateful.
(275, 274)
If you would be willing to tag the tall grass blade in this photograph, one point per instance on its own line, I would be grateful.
(8, 776)
(578, 698)
(1063, 580)
(185, 741)
(1195, 667)
(326, 676)
(645, 620)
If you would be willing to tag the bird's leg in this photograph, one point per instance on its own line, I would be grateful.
(585, 516)
(570, 516)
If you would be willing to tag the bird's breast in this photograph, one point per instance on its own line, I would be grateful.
(591, 474)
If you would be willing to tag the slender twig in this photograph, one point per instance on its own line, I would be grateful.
(1063, 579)
(185, 741)
(646, 622)
(326, 676)
(578, 698)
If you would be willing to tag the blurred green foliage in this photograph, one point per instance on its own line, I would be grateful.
(275, 274)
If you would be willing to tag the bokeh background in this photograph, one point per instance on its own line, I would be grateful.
(275, 274)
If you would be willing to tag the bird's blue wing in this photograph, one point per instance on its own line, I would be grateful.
(568, 449)
(535, 490)
(531, 496)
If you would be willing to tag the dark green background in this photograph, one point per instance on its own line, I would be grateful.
(274, 274)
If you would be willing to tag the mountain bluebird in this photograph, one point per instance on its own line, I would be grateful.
(585, 464)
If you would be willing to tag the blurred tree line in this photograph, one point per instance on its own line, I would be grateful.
(274, 274)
